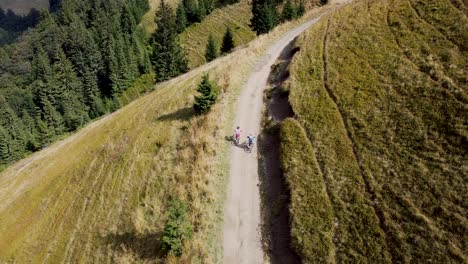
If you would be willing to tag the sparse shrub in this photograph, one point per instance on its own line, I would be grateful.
(177, 229)
(208, 94)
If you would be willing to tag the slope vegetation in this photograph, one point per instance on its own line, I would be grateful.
(102, 194)
(23, 7)
(379, 91)
(195, 37)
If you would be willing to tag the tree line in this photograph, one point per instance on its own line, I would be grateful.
(266, 16)
(79, 59)
(71, 68)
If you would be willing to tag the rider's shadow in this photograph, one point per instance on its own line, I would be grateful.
(242, 145)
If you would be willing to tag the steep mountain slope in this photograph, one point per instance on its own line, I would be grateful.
(22, 7)
(376, 155)
(195, 37)
(101, 195)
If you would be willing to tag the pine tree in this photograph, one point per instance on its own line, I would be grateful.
(168, 58)
(289, 11)
(13, 127)
(30, 131)
(53, 118)
(72, 105)
(54, 5)
(45, 134)
(301, 9)
(5, 139)
(228, 41)
(211, 52)
(265, 16)
(181, 18)
(208, 95)
(201, 11)
(191, 10)
(40, 65)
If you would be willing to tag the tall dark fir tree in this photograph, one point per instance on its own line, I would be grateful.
(228, 41)
(211, 51)
(265, 16)
(168, 57)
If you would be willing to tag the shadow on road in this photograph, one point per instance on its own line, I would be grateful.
(273, 187)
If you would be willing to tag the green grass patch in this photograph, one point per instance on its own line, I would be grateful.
(312, 229)
(396, 102)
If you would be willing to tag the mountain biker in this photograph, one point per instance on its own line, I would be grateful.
(237, 134)
(251, 140)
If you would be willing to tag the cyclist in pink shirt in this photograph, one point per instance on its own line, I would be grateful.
(237, 134)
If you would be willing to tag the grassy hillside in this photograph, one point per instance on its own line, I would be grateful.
(195, 37)
(101, 195)
(380, 90)
(23, 6)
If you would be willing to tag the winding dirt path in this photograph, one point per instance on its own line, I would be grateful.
(242, 232)
(242, 219)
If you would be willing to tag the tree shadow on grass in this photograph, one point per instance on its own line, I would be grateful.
(183, 114)
(145, 246)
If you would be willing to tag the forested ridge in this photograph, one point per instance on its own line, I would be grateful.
(68, 70)
(80, 57)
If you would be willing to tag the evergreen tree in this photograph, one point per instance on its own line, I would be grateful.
(128, 23)
(5, 156)
(201, 11)
(289, 11)
(54, 5)
(265, 16)
(52, 118)
(45, 134)
(30, 131)
(301, 9)
(72, 105)
(12, 125)
(228, 41)
(211, 52)
(40, 65)
(208, 95)
(191, 10)
(168, 58)
(181, 18)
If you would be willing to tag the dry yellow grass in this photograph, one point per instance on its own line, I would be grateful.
(100, 196)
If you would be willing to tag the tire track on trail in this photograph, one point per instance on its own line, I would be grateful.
(374, 203)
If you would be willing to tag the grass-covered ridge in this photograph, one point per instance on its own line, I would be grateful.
(381, 90)
(102, 194)
(195, 38)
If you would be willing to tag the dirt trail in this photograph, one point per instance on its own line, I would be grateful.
(242, 230)
(242, 233)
